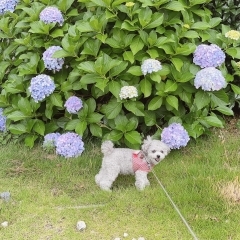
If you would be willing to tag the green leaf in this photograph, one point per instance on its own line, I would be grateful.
(56, 99)
(172, 101)
(225, 110)
(155, 103)
(128, 56)
(136, 107)
(234, 52)
(213, 121)
(114, 88)
(178, 63)
(18, 115)
(29, 140)
(94, 117)
(150, 118)
(133, 137)
(175, 6)
(235, 88)
(144, 16)
(81, 127)
(135, 70)
(202, 99)
(18, 128)
(170, 86)
(39, 127)
(115, 135)
(24, 105)
(146, 87)
(71, 125)
(157, 20)
(201, 25)
(136, 45)
(115, 71)
(112, 109)
(91, 103)
(121, 123)
(95, 130)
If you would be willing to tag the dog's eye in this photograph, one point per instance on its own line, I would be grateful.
(161, 151)
(153, 151)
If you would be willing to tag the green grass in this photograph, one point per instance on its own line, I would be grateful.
(50, 194)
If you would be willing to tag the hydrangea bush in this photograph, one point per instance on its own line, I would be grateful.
(137, 68)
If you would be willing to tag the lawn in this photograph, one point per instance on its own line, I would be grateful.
(50, 194)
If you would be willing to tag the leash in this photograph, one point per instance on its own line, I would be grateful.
(175, 207)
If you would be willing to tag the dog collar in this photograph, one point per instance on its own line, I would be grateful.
(140, 163)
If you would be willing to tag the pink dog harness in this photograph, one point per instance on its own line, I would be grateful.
(139, 164)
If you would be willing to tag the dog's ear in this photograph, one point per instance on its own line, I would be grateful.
(146, 144)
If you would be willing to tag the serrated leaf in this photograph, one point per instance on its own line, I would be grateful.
(81, 127)
(133, 137)
(201, 100)
(170, 86)
(112, 109)
(225, 110)
(175, 6)
(213, 121)
(94, 117)
(29, 140)
(172, 101)
(137, 108)
(128, 56)
(155, 103)
(39, 127)
(95, 130)
(150, 118)
(135, 70)
(137, 45)
(56, 99)
(18, 115)
(71, 125)
(178, 63)
(146, 87)
(18, 128)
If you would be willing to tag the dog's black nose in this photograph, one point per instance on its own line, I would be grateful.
(158, 156)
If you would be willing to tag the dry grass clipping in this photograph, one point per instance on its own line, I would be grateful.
(231, 191)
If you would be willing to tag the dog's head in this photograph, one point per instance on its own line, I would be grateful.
(155, 150)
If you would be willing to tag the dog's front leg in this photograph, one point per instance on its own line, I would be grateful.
(141, 180)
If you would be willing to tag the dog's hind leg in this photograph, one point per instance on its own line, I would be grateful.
(108, 178)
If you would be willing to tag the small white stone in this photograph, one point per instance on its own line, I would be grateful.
(4, 224)
(125, 234)
(81, 225)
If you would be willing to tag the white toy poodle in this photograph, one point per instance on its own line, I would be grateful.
(128, 161)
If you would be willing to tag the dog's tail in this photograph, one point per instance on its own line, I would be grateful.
(107, 148)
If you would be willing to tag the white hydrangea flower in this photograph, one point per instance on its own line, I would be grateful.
(128, 92)
(150, 65)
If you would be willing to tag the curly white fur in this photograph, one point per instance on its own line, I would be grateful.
(120, 161)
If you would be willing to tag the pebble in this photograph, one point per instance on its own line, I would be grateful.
(4, 224)
(81, 225)
(5, 196)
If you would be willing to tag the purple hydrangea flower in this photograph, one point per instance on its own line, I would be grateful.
(41, 87)
(210, 79)
(69, 145)
(7, 5)
(175, 136)
(50, 62)
(50, 140)
(3, 120)
(51, 15)
(150, 65)
(208, 56)
(73, 104)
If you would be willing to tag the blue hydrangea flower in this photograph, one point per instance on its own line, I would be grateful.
(50, 140)
(210, 79)
(73, 104)
(175, 136)
(41, 87)
(50, 62)
(51, 15)
(150, 65)
(69, 145)
(3, 120)
(208, 56)
(7, 5)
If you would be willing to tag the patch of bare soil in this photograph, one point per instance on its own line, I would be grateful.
(231, 191)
